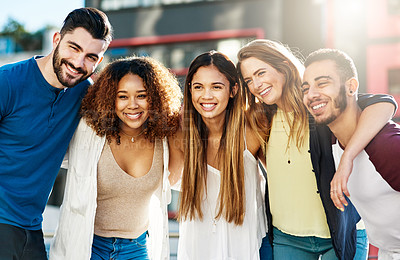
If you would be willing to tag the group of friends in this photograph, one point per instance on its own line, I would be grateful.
(265, 154)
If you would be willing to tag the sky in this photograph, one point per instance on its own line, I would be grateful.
(36, 14)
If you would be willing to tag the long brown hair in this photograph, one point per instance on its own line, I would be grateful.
(230, 152)
(285, 62)
(164, 98)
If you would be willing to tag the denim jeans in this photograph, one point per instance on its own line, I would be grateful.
(107, 248)
(21, 244)
(293, 247)
(362, 245)
(266, 249)
(287, 247)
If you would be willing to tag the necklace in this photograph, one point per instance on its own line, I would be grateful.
(214, 225)
(133, 137)
(288, 145)
(214, 220)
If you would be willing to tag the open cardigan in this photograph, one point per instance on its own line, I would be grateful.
(74, 235)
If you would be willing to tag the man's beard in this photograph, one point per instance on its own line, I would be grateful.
(340, 102)
(67, 81)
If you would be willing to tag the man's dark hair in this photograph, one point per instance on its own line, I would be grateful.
(344, 63)
(92, 20)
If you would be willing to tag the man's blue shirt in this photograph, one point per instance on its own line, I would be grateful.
(37, 122)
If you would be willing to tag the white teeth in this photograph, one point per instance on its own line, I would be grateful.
(319, 106)
(208, 105)
(133, 116)
(71, 69)
(265, 91)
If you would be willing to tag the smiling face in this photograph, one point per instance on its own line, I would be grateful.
(76, 56)
(324, 94)
(210, 91)
(263, 81)
(131, 105)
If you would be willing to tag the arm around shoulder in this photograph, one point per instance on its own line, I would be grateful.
(378, 110)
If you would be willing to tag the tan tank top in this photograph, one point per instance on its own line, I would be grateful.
(123, 200)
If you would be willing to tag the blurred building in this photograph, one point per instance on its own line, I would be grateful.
(383, 48)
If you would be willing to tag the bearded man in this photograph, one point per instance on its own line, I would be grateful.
(330, 87)
(39, 111)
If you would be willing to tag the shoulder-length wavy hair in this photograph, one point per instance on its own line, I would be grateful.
(285, 62)
(163, 95)
(230, 152)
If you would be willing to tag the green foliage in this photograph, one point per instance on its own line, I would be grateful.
(24, 40)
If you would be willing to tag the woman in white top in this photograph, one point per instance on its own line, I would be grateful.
(221, 210)
(117, 186)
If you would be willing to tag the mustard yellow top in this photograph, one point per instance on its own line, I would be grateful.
(296, 206)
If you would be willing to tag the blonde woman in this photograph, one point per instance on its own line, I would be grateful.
(299, 169)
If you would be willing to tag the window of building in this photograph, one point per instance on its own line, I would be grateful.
(394, 81)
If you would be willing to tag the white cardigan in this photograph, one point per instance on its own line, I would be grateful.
(74, 235)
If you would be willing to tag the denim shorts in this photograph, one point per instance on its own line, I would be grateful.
(119, 248)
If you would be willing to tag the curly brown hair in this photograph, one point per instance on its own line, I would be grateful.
(163, 95)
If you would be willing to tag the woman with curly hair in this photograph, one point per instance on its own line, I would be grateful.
(221, 210)
(117, 187)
